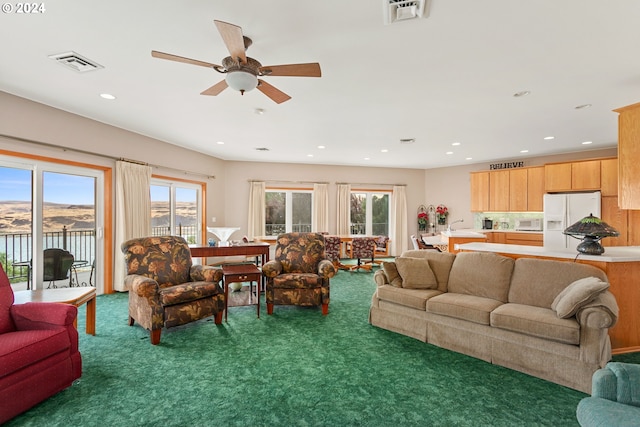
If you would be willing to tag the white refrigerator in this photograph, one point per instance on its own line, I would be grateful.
(563, 210)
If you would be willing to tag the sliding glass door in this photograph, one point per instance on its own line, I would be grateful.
(51, 206)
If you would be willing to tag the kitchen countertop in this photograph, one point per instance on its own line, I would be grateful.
(611, 254)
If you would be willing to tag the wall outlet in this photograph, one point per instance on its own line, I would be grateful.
(213, 219)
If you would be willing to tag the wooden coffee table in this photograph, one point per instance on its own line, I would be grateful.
(74, 296)
(241, 273)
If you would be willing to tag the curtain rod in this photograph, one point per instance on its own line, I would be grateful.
(369, 183)
(106, 156)
(287, 182)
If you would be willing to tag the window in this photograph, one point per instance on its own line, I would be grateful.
(50, 205)
(176, 209)
(370, 213)
(287, 211)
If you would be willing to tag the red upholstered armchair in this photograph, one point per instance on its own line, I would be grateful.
(38, 351)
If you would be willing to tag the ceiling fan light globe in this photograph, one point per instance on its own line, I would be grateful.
(241, 81)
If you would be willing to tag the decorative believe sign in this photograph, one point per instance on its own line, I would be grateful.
(507, 165)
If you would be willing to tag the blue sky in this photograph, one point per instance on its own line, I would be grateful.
(15, 185)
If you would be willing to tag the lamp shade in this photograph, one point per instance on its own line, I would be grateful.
(591, 229)
(241, 81)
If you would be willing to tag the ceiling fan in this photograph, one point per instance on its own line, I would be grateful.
(241, 71)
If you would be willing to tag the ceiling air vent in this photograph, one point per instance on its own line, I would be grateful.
(76, 62)
(402, 10)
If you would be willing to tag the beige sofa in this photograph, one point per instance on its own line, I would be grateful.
(500, 310)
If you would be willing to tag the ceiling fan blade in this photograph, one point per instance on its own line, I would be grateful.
(276, 95)
(297, 70)
(216, 88)
(232, 37)
(177, 58)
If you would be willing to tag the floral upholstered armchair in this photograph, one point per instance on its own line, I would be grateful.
(165, 289)
(300, 273)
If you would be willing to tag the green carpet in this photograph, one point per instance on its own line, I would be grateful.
(294, 368)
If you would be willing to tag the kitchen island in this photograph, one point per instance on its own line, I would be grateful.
(620, 263)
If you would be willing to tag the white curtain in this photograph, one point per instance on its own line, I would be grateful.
(320, 208)
(399, 229)
(344, 209)
(133, 211)
(255, 226)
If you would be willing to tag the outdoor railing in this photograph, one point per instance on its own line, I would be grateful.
(189, 232)
(16, 248)
(275, 229)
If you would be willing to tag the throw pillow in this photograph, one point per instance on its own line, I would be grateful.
(416, 273)
(577, 294)
(391, 271)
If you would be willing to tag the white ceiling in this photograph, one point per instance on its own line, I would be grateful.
(449, 77)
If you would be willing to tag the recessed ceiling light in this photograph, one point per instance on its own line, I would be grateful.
(107, 96)
(468, 158)
(367, 158)
(309, 155)
(220, 142)
(259, 111)
(449, 152)
(587, 142)
(384, 150)
(455, 144)
(549, 137)
(580, 107)
(522, 93)
(321, 147)
(524, 151)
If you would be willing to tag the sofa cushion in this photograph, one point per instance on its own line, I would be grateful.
(461, 306)
(23, 348)
(391, 270)
(482, 274)
(414, 298)
(576, 295)
(537, 281)
(536, 321)
(416, 273)
(189, 291)
(440, 263)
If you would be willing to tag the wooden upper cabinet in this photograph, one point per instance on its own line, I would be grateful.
(574, 176)
(479, 191)
(633, 230)
(518, 190)
(557, 177)
(629, 156)
(499, 191)
(609, 177)
(535, 189)
(585, 175)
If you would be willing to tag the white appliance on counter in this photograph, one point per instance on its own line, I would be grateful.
(565, 209)
(528, 224)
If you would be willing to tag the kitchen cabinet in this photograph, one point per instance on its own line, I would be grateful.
(509, 190)
(609, 177)
(633, 231)
(479, 191)
(573, 176)
(615, 217)
(528, 239)
(518, 181)
(535, 189)
(628, 155)
(499, 191)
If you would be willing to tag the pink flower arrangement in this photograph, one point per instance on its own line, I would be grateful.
(442, 210)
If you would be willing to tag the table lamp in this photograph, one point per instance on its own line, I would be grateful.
(591, 230)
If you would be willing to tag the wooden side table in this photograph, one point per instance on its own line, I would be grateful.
(74, 296)
(241, 273)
